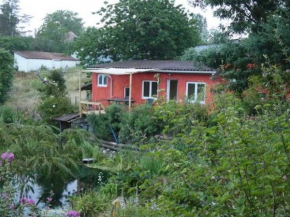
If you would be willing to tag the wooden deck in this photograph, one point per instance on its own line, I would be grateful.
(88, 108)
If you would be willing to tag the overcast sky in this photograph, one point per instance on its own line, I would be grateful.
(39, 8)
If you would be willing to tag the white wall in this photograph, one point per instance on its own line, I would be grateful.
(28, 65)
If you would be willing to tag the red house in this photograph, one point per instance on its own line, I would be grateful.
(137, 82)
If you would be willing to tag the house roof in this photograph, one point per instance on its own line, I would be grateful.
(156, 65)
(44, 55)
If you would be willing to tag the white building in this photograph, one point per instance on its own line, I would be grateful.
(27, 61)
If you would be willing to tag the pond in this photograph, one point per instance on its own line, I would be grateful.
(60, 189)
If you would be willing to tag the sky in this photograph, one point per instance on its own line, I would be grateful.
(39, 8)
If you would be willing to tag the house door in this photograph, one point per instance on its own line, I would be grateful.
(172, 90)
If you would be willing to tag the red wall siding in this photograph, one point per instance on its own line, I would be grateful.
(119, 82)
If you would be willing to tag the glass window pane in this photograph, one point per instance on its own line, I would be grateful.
(191, 91)
(105, 79)
(100, 79)
(154, 89)
(146, 89)
(201, 92)
(127, 90)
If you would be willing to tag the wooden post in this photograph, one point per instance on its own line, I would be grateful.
(130, 93)
(80, 93)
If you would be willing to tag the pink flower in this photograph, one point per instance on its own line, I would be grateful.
(31, 202)
(73, 213)
(285, 178)
(11, 157)
(5, 155)
(23, 200)
(49, 199)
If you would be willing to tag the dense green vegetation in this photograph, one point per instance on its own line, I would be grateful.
(141, 30)
(231, 161)
(230, 158)
(6, 73)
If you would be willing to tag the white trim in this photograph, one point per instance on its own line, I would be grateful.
(195, 91)
(103, 80)
(168, 89)
(116, 71)
(150, 90)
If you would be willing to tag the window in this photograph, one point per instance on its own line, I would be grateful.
(149, 89)
(102, 80)
(196, 92)
(127, 92)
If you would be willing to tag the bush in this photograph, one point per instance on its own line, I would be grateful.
(140, 123)
(7, 114)
(55, 106)
(6, 74)
(57, 88)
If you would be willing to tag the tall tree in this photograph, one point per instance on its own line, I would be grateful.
(10, 19)
(246, 15)
(57, 29)
(147, 29)
(6, 73)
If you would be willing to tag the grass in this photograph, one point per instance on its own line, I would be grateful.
(24, 93)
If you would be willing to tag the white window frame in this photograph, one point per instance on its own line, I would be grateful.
(150, 90)
(195, 92)
(102, 76)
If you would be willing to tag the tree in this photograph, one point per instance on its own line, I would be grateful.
(90, 46)
(54, 34)
(10, 18)
(16, 43)
(6, 73)
(246, 15)
(147, 29)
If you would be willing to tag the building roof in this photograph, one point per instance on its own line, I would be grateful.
(44, 55)
(156, 65)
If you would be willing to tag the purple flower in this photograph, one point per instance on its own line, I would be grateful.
(285, 178)
(11, 157)
(31, 202)
(73, 213)
(5, 155)
(23, 200)
(49, 199)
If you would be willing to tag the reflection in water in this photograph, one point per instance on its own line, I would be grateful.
(60, 188)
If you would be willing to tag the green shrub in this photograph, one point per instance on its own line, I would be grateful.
(52, 107)
(141, 123)
(102, 123)
(56, 86)
(7, 114)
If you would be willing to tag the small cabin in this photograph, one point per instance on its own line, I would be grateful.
(143, 81)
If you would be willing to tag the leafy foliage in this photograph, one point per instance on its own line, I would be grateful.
(6, 73)
(245, 15)
(53, 35)
(10, 18)
(16, 43)
(54, 100)
(141, 30)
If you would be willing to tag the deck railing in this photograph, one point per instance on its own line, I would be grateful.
(91, 108)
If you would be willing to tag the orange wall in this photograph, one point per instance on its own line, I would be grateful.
(119, 82)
